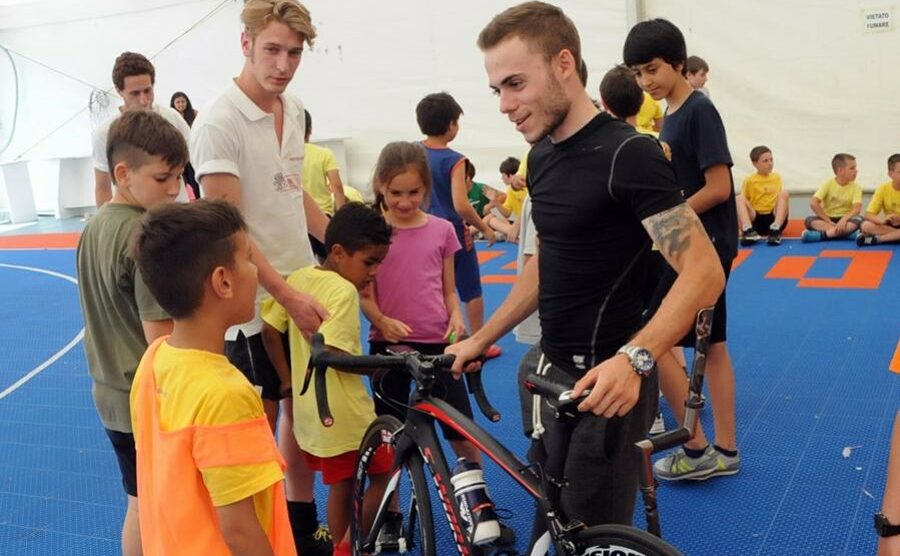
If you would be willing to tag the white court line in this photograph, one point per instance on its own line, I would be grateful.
(37, 370)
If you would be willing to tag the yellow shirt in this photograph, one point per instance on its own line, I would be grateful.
(762, 191)
(317, 162)
(838, 200)
(649, 112)
(348, 399)
(353, 195)
(886, 199)
(200, 388)
(514, 200)
(523, 165)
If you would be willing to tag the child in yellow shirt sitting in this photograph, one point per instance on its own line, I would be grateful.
(836, 204)
(875, 229)
(762, 206)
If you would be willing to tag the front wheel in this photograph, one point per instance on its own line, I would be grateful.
(620, 540)
(407, 484)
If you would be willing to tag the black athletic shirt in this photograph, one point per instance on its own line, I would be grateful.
(589, 194)
(697, 137)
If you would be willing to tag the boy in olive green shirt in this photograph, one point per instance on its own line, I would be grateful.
(146, 156)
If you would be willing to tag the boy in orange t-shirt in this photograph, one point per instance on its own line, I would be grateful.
(210, 478)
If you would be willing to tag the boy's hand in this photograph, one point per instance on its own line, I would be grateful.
(393, 330)
(840, 226)
(490, 236)
(286, 390)
(615, 388)
(893, 219)
(305, 311)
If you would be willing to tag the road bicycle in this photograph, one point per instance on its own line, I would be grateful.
(415, 447)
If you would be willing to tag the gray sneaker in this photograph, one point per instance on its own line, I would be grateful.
(678, 466)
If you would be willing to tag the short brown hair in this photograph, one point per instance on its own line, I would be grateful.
(840, 160)
(620, 92)
(394, 159)
(178, 245)
(892, 160)
(129, 64)
(137, 135)
(257, 14)
(543, 26)
(696, 64)
(757, 152)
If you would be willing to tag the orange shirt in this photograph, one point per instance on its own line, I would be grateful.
(177, 510)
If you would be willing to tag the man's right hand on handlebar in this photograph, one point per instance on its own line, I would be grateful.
(467, 353)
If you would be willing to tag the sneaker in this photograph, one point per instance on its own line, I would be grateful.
(493, 351)
(678, 466)
(318, 543)
(390, 534)
(774, 237)
(854, 235)
(750, 237)
(659, 425)
(863, 240)
(811, 236)
(499, 237)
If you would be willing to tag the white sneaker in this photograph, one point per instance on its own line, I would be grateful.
(659, 425)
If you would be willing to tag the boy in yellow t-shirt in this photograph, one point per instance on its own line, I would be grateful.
(762, 206)
(321, 180)
(836, 204)
(210, 477)
(876, 230)
(357, 240)
(502, 212)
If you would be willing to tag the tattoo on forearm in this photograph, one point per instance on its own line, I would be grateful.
(671, 229)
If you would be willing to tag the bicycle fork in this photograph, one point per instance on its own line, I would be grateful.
(693, 405)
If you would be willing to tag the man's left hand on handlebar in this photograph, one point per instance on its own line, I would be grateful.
(615, 388)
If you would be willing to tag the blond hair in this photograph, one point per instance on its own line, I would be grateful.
(257, 14)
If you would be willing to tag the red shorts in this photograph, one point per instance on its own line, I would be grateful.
(342, 467)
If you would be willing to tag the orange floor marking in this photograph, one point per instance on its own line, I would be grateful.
(791, 267)
(794, 228)
(895, 362)
(510, 266)
(485, 256)
(741, 257)
(865, 271)
(499, 279)
(40, 241)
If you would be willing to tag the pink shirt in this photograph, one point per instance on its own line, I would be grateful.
(409, 286)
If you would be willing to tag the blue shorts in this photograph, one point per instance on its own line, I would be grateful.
(468, 277)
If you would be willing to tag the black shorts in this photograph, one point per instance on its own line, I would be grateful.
(763, 223)
(250, 357)
(395, 386)
(594, 457)
(720, 314)
(123, 446)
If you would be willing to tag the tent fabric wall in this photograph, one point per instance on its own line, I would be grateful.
(804, 78)
(371, 64)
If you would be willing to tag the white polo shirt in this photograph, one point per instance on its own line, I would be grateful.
(234, 136)
(98, 140)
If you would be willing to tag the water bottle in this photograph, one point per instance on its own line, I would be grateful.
(475, 506)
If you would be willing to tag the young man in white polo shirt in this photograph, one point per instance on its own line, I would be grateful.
(248, 148)
(134, 77)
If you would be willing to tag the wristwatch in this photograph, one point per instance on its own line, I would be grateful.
(885, 528)
(641, 359)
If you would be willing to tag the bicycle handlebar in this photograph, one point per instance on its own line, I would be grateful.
(417, 365)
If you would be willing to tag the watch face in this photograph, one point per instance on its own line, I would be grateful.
(642, 361)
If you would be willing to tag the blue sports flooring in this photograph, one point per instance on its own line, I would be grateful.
(813, 379)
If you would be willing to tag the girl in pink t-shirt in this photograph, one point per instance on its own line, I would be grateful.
(413, 301)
